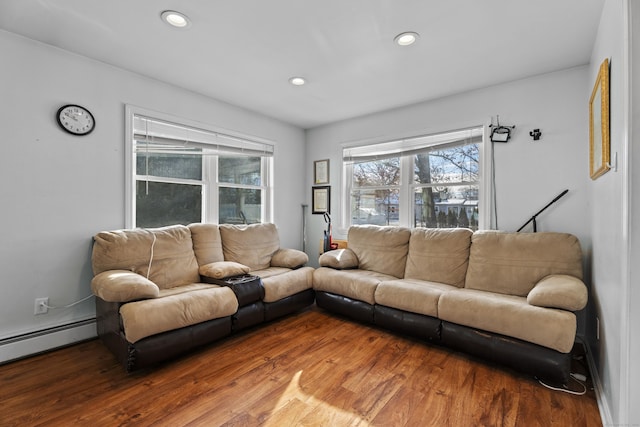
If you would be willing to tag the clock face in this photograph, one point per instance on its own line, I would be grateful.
(75, 119)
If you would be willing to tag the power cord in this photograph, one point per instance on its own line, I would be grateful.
(151, 257)
(56, 307)
(566, 389)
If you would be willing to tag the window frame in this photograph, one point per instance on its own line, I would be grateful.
(406, 201)
(210, 183)
(265, 168)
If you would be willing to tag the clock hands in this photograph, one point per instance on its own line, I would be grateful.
(73, 114)
(70, 115)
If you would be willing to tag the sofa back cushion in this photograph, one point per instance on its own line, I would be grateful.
(252, 245)
(173, 264)
(439, 255)
(512, 263)
(207, 243)
(380, 249)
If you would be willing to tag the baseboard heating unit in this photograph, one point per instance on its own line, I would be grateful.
(32, 343)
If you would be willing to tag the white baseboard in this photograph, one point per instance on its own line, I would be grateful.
(49, 339)
(603, 405)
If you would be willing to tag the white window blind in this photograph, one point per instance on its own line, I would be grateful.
(157, 136)
(410, 146)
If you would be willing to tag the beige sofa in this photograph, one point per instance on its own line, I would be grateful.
(507, 297)
(158, 291)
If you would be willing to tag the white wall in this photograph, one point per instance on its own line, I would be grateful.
(528, 174)
(611, 212)
(58, 190)
(634, 224)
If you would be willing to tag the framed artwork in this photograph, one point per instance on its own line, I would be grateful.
(599, 145)
(321, 200)
(321, 172)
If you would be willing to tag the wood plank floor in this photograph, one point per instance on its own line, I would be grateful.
(309, 369)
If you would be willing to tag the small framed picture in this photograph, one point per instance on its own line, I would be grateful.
(321, 200)
(321, 172)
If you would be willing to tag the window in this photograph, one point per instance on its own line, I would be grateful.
(240, 190)
(375, 193)
(426, 181)
(180, 174)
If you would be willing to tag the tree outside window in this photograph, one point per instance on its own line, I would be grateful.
(444, 185)
(437, 178)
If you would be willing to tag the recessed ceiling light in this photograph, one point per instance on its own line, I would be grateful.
(406, 38)
(297, 81)
(175, 19)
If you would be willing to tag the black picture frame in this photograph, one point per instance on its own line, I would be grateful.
(321, 199)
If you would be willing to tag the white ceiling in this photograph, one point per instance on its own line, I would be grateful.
(244, 51)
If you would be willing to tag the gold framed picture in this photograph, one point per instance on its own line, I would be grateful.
(599, 144)
(321, 172)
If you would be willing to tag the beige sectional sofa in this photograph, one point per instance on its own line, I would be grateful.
(506, 297)
(158, 291)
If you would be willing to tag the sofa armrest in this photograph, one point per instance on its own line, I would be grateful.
(222, 269)
(289, 258)
(559, 291)
(123, 286)
(340, 259)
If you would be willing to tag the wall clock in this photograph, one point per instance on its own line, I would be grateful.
(75, 119)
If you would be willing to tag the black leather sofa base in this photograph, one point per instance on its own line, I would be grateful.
(156, 348)
(167, 345)
(417, 325)
(247, 316)
(260, 312)
(287, 305)
(345, 306)
(543, 363)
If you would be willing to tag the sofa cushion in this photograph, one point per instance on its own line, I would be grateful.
(341, 259)
(289, 258)
(186, 288)
(252, 245)
(222, 269)
(512, 263)
(173, 264)
(380, 249)
(123, 286)
(415, 296)
(511, 316)
(559, 291)
(281, 282)
(356, 284)
(439, 255)
(144, 318)
(207, 243)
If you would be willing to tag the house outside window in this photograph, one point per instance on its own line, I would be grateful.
(427, 181)
(181, 174)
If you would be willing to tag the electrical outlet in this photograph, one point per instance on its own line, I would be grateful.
(41, 306)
